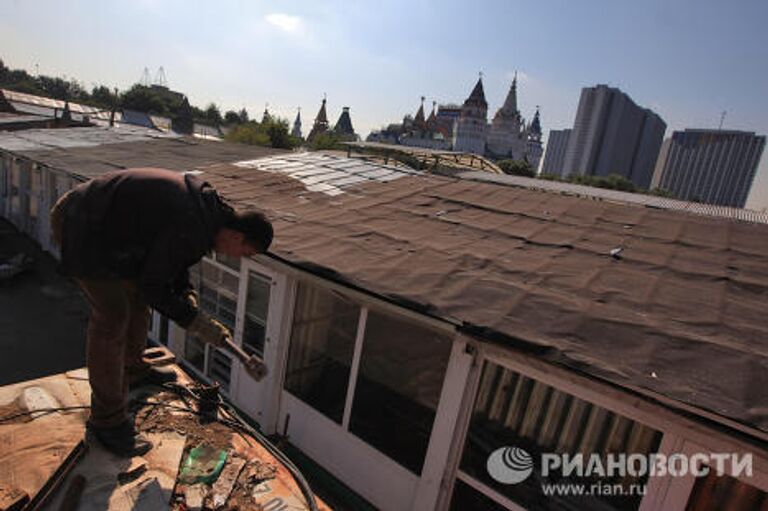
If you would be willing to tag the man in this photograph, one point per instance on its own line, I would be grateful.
(128, 239)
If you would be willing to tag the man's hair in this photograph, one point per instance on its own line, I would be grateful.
(254, 225)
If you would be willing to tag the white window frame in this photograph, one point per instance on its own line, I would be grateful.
(338, 449)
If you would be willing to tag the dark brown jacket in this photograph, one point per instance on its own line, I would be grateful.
(146, 225)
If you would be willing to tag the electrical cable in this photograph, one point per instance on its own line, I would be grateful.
(237, 423)
(42, 411)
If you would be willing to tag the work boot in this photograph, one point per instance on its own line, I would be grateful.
(122, 440)
(151, 375)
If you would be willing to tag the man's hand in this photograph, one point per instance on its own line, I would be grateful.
(208, 329)
(191, 298)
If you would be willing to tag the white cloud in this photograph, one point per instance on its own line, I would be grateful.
(284, 22)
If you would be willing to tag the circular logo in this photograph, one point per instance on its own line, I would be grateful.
(509, 465)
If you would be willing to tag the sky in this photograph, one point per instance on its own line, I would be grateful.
(688, 60)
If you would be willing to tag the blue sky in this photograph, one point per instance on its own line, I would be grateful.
(687, 60)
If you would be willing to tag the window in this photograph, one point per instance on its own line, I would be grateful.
(401, 374)
(194, 352)
(322, 344)
(164, 328)
(256, 310)
(219, 367)
(398, 381)
(228, 261)
(217, 287)
(512, 410)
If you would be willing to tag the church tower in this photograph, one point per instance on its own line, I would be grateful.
(321, 123)
(506, 138)
(296, 131)
(470, 131)
(534, 149)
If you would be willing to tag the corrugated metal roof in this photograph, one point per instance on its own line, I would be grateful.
(650, 201)
(44, 139)
(51, 104)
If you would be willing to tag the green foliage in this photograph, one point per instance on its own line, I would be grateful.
(660, 192)
(183, 121)
(327, 141)
(611, 182)
(516, 168)
(213, 114)
(273, 133)
(231, 117)
(144, 99)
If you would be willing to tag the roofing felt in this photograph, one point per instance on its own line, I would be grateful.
(666, 303)
(651, 201)
(151, 149)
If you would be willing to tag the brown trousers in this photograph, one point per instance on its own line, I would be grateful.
(116, 337)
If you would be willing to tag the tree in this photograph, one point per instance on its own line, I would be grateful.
(243, 115)
(213, 114)
(517, 168)
(101, 96)
(273, 133)
(183, 121)
(231, 117)
(250, 133)
(326, 141)
(146, 100)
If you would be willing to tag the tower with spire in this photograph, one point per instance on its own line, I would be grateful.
(344, 128)
(506, 135)
(321, 123)
(266, 117)
(534, 149)
(470, 131)
(296, 131)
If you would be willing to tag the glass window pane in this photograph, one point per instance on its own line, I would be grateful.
(253, 337)
(322, 345)
(256, 311)
(229, 261)
(257, 305)
(194, 352)
(465, 497)
(219, 367)
(401, 374)
(512, 410)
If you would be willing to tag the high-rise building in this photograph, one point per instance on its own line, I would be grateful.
(555, 155)
(612, 135)
(710, 166)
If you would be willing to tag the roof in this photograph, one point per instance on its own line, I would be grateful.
(137, 118)
(39, 105)
(477, 96)
(88, 152)
(46, 139)
(650, 201)
(44, 453)
(663, 302)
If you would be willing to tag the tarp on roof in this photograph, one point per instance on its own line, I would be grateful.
(642, 298)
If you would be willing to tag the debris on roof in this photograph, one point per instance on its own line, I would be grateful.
(206, 458)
